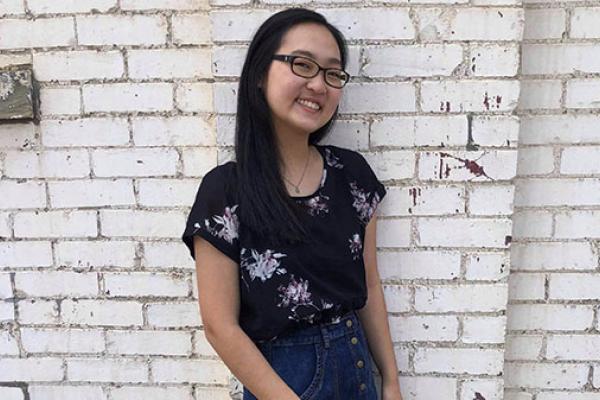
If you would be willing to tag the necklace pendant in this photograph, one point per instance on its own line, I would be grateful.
(297, 190)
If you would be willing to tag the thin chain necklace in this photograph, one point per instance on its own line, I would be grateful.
(297, 187)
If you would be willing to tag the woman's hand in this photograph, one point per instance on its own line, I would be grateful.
(391, 391)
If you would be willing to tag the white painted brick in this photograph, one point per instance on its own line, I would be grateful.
(194, 97)
(6, 291)
(584, 23)
(532, 224)
(25, 254)
(96, 132)
(526, 286)
(17, 135)
(5, 225)
(121, 29)
(378, 97)
(418, 264)
(91, 193)
(56, 224)
(577, 224)
(198, 161)
(95, 253)
(550, 317)
(69, 6)
(428, 387)
(6, 60)
(228, 60)
(419, 131)
(489, 389)
(557, 192)
(201, 345)
(412, 60)
(7, 312)
(472, 166)
(149, 342)
(41, 32)
(548, 376)
(70, 340)
(392, 23)
(483, 329)
(580, 160)
(47, 164)
(171, 63)
(423, 200)
(471, 232)
(8, 344)
(456, 360)
(535, 161)
(522, 347)
(56, 283)
(60, 101)
(135, 162)
(508, 395)
(225, 97)
(101, 312)
(191, 29)
(125, 97)
(38, 312)
(167, 192)
(195, 371)
(11, 393)
(556, 129)
(31, 369)
(423, 328)
(141, 284)
(393, 233)
(536, 94)
(573, 347)
(491, 200)
(173, 131)
(465, 96)
(164, 4)
(583, 93)
(574, 286)
(402, 358)
(545, 23)
(565, 58)
(561, 395)
(487, 266)
(153, 392)
(397, 298)
(457, 23)
(556, 255)
(46, 392)
(11, 7)
(124, 223)
(233, 25)
(118, 370)
(495, 130)
(463, 298)
(174, 314)
(392, 164)
(166, 255)
(78, 65)
(22, 194)
(352, 135)
(494, 60)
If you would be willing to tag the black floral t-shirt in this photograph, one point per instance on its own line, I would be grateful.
(293, 286)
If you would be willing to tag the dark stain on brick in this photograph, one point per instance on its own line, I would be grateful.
(491, 102)
(445, 106)
(471, 165)
(471, 145)
(414, 193)
(478, 396)
(507, 240)
(500, 14)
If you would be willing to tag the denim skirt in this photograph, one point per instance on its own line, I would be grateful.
(329, 361)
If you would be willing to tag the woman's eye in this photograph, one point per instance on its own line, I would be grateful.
(303, 65)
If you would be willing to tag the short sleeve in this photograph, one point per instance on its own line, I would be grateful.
(214, 216)
(367, 191)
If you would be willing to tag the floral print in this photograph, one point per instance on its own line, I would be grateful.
(226, 227)
(332, 160)
(361, 202)
(317, 205)
(355, 246)
(262, 265)
(296, 294)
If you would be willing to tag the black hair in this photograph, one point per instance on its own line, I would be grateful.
(265, 206)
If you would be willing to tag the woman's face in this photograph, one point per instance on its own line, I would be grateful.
(283, 89)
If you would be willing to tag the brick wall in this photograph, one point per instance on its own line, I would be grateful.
(451, 101)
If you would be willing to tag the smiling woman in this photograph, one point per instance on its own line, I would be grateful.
(284, 236)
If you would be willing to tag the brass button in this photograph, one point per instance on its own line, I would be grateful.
(354, 340)
(349, 323)
(362, 387)
(360, 363)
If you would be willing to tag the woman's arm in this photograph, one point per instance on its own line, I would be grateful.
(219, 298)
(373, 316)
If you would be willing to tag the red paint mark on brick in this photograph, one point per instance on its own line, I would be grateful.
(471, 165)
(491, 102)
(445, 106)
(486, 101)
(478, 396)
(414, 193)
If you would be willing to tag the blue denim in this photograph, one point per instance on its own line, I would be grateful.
(323, 362)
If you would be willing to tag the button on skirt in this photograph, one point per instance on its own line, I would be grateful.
(323, 362)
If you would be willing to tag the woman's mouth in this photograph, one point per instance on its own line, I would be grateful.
(309, 104)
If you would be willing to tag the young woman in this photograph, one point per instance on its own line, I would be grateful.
(289, 292)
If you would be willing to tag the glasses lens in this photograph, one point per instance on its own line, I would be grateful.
(337, 78)
(304, 67)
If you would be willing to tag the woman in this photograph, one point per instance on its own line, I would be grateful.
(286, 233)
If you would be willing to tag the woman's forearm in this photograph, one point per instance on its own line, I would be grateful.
(247, 363)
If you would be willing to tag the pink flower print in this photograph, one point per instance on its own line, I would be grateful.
(317, 205)
(361, 203)
(355, 246)
(226, 225)
(332, 160)
(262, 265)
(296, 293)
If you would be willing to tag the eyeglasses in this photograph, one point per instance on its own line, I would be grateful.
(307, 68)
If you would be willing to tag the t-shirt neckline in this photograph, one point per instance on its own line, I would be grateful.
(323, 177)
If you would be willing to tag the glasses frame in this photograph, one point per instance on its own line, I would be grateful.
(290, 58)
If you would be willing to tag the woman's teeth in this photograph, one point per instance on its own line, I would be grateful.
(309, 104)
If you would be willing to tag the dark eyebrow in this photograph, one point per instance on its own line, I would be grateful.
(311, 55)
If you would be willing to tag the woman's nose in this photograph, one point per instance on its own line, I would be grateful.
(317, 83)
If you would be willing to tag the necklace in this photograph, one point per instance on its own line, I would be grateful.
(297, 187)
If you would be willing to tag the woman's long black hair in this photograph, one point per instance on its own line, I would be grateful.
(265, 206)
